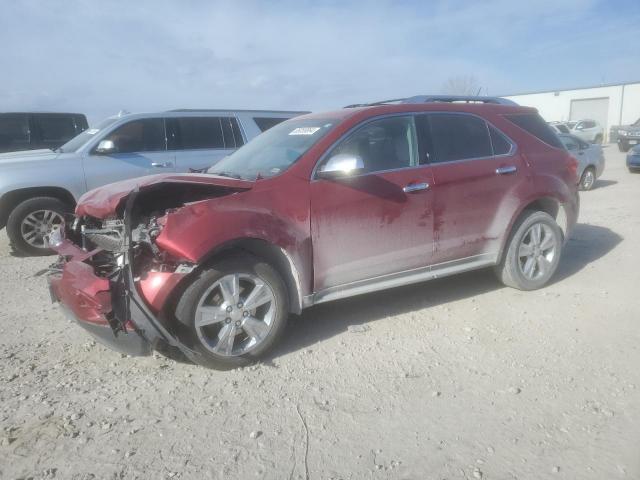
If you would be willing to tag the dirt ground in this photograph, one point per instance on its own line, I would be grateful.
(456, 378)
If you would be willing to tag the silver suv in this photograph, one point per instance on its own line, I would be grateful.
(38, 187)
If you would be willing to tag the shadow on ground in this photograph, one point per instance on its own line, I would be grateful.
(603, 184)
(588, 243)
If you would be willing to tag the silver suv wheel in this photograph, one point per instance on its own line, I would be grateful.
(235, 314)
(36, 227)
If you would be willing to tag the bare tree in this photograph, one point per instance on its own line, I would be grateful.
(461, 85)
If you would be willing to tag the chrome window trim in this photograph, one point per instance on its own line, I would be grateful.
(510, 153)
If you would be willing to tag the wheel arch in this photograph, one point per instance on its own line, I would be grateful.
(12, 199)
(547, 204)
(276, 256)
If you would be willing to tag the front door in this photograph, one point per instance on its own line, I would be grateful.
(378, 221)
(140, 149)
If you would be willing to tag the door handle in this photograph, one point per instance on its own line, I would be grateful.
(162, 164)
(506, 170)
(415, 187)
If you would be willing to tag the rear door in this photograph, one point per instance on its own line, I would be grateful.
(15, 134)
(140, 150)
(378, 222)
(200, 142)
(475, 168)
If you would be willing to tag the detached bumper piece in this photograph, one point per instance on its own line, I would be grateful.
(110, 309)
(87, 299)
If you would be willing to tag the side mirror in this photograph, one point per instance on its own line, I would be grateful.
(105, 147)
(580, 127)
(341, 165)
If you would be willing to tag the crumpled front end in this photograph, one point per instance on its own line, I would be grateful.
(114, 282)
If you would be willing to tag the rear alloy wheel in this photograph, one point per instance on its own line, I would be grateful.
(30, 224)
(234, 312)
(588, 179)
(533, 252)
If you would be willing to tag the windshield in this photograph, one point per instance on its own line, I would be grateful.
(272, 152)
(636, 123)
(79, 140)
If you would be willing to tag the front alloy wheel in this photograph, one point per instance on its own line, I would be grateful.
(31, 223)
(234, 312)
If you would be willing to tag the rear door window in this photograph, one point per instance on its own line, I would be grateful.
(536, 126)
(54, 128)
(145, 135)
(195, 133)
(458, 137)
(231, 133)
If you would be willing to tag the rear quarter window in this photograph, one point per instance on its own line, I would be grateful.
(533, 124)
(265, 123)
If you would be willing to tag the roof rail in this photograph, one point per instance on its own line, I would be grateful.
(440, 98)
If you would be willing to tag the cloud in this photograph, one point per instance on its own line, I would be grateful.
(99, 57)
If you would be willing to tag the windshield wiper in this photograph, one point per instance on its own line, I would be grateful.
(227, 174)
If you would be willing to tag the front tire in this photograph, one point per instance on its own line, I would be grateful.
(588, 179)
(32, 221)
(533, 252)
(234, 312)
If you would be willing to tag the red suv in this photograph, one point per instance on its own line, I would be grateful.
(320, 207)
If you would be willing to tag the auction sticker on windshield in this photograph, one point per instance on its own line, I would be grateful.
(304, 131)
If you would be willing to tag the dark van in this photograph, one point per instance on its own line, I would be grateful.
(32, 131)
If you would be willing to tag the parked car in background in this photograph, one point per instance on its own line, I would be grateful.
(320, 207)
(38, 187)
(590, 159)
(34, 130)
(633, 159)
(629, 136)
(559, 127)
(588, 130)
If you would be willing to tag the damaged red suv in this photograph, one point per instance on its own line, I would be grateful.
(325, 206)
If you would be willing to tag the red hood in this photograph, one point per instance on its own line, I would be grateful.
(102, 202)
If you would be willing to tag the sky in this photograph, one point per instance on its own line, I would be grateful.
(100, 57)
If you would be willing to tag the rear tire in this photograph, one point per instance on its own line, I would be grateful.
(215, 322)
(598, 139)
(588, 179)
(31, 221)
(624, 148)
(533, 252)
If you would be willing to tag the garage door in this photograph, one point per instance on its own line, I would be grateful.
(592, 108)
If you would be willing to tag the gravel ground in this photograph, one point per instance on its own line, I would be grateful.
(457, 378)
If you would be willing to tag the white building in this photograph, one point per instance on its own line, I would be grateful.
(609, 105)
